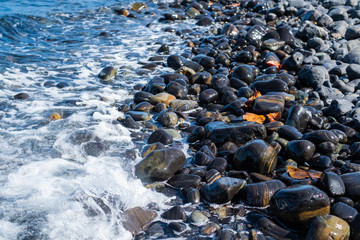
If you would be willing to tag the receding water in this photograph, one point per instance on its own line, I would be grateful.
(69, 179)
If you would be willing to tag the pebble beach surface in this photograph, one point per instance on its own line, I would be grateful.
(197, 120)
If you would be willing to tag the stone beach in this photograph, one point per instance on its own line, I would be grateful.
(266, 95)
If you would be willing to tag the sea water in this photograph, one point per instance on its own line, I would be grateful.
(50, 186)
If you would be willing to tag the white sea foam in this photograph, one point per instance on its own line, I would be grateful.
(50, 187)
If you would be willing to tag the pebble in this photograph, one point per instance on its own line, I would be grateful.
(257, 156)
(198, 218)
(137, 219)
(222, 190)
(174, 213)
(328, 226)
(160, 136)
(22, 96)
(107, 73)
(160, 164)
(299, 204)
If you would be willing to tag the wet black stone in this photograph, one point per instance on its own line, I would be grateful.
(244, 73)
(174, 213)
(202, 158)
(197, 134)
(352, 184)
(320, 136)
(169, 77)
(142, 96)
(289, 133)
(268, 104)
(205, 21)
(245, 92)
(269, 228)
(346, 200)
(194, 66)
(259, 194)
(129, 122)
(294, 62)
(138, 116)
(219, 163)
(344, 211)
(355, 227)
(255, 33)
(219, 81)
(176, 89)
(208, 96)
(207, 62)
(175, 61)
(22, 96)
(155, 230)
(228, 97)
(298, 117)
(237, 83)
(160, 164)
(257, 156)
(290, 204)
(184, 180)
(300, 150)
(137, 219)
(275, 85)
(151, 147)
(222, 190)
(160, 107)
(177, 226)
(160, 136)
(238, 133)
(327, 147)
(164, 49)
(319, 162)
(244, 57)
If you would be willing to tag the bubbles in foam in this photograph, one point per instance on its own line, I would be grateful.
(50, 186)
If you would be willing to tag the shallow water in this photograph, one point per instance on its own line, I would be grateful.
(51, 186)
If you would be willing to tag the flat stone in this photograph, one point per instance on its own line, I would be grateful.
(238, 133)
(184, 180)
(137, 219)
(352, 184)
(309, 30)
(160, 136)
(163, 97)
(160, 164)
(338, 108)
(269, 104)
(222, 190)
(174, 213)
(298, 204)
(312, 76)
(352, 32)
(353, 71)
(183, 105)
(328, 227)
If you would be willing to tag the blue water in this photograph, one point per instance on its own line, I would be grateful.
(51, 186)
(44, 7)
